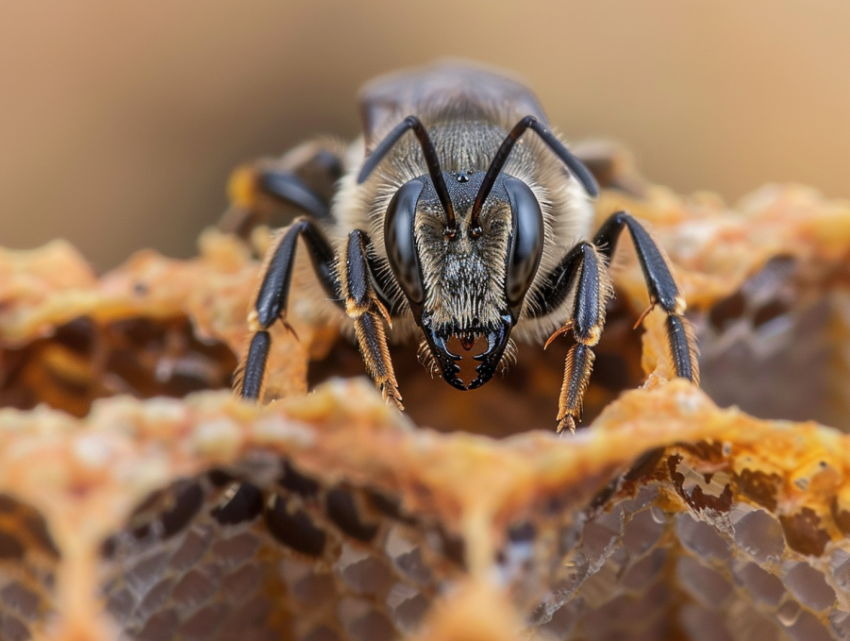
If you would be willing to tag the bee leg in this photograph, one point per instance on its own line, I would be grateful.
(273, 294)
(662, 289)
(305, 178)
(365, 307)
(592, 292)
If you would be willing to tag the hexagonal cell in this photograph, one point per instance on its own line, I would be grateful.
(839, 567)
(251, 621)
(407, 607)
(363, 572)
(626, 613)
(561, 623)
(808, 628)
(641, 532)
(600, 533)
(645, 571)
(406, 555)
(759, 534)
(363, 621)
(600, 586)
(789, 612)
(758, 582)
(839, 621)
(809, 586)
(746, 623)
(645, 498)
(702, 624)
(701, 538)
(707, 586)
(310, 588)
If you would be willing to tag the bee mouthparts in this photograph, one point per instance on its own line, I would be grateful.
(467, 340)
(497, 340)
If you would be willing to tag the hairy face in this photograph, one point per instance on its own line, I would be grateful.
(464, 275)
(463, 270)
(464, 244)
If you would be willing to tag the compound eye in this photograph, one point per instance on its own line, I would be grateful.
(400, 242)
(526, 245)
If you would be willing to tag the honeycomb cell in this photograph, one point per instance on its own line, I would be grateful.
(194, 547)
(789, 612)
(701, 539)
(193, 588)
(646, 497)
(363, 572)
(645, 571)
(809, 586)
(808, 628)
(161, 625)
(407, 607)
(839, 621)
(232, 550)
(709, 587)
(601, 583)
(309, 586)
(406, 555)
(25, 603)
(600, 534)
(642, 532)
(626, 612)
(759, 583)
(236, 585)
(805, 532)
(343, 510)
(760, 535)
(702, 624)
(745, 623)
(839, 565)
(363, 622)
(205, 622)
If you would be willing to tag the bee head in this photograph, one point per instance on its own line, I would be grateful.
(468, 280)
(464, 248)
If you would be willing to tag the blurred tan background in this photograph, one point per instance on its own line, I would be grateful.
(120, 121)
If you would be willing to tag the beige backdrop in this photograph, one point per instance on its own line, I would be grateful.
(119, 121)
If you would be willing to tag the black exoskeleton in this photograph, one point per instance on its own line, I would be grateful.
(458, 224)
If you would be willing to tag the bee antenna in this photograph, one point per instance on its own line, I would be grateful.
(431, 160)
(575, 166)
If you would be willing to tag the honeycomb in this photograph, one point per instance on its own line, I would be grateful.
(140, 500)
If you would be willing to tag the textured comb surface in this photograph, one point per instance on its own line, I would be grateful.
(726, 527)
(331, 517)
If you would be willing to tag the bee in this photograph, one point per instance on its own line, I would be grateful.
(458, 218)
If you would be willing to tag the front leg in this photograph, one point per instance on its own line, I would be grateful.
(365, 307)
(662, 289)
(592, 292)
(273, 296)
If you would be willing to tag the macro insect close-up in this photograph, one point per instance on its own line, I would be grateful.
(380, 321)
(468, 220)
